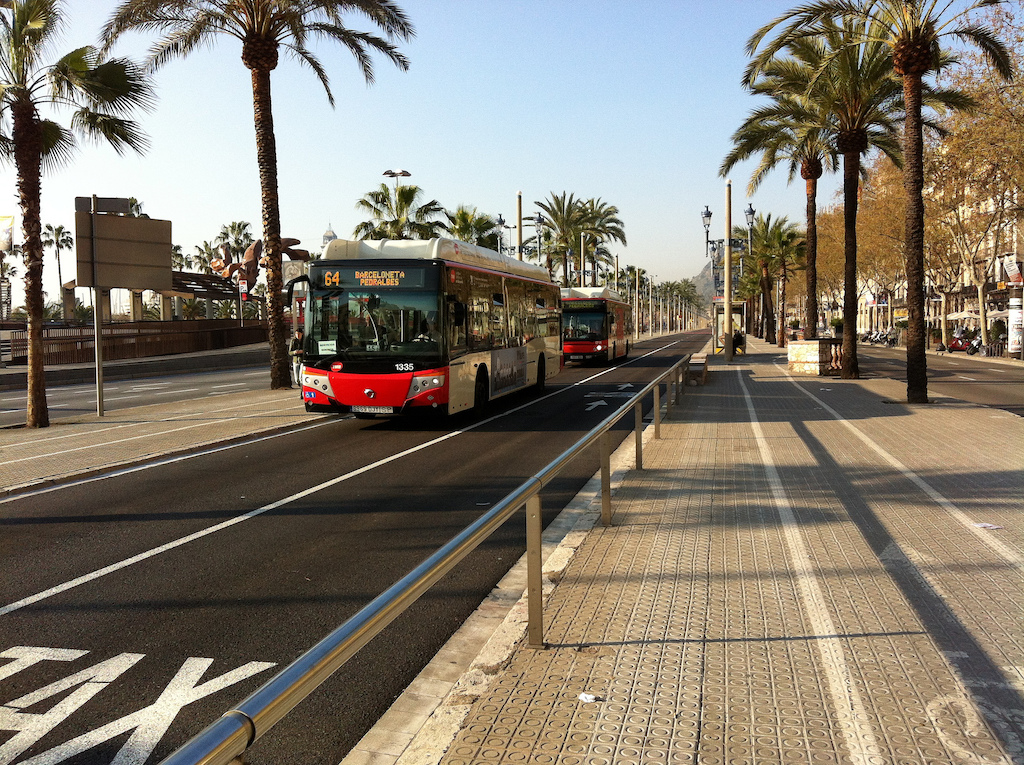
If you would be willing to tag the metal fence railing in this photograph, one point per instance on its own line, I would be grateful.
(234, 732)
(136, 340)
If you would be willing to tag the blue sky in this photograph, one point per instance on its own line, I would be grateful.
(632, 102)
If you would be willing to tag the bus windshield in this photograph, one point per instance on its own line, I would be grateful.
(585, 325)
(374, 324)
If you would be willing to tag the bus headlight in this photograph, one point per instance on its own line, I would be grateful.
(421, 383)
(598, 347)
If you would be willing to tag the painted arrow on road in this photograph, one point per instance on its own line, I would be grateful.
(591, 407)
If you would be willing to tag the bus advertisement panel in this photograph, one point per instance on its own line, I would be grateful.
(395, 326)
(596, 324)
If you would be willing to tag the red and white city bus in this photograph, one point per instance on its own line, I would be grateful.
(394, 326)
(596, 324)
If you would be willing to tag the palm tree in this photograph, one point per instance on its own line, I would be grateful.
(59, 238)
(97, 95)
(780, 134)
(565, 219)
(912, 32)
(237, 236)
(179, 260)
(468, 225)
(601, 224)
(852, 87)
(399, 215)
(265, 27)
(206, 253)
(777, 244)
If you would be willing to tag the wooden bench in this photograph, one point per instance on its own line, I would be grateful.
(697, 369)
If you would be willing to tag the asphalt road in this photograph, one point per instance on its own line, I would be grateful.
(969, 378)
(127, 665)
(70, 400)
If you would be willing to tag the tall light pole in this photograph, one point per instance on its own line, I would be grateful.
(583, 261)
(396, 174)
(519, 224)
(727, 298)
(538, 221)
(749, 213)
(706, 219)
(501, 226)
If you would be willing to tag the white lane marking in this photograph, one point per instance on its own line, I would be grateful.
(32, 726)
(101, 572)
(118, 441)
(159, 463)
(172, 392)
(98, 573)
(228, 385)
(151, 386)
(125, 425)
(846, 699)
(972, 379)
(148, 725)
(121, 398)
(1007, 553)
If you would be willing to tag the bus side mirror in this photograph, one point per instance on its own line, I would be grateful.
(290, 286)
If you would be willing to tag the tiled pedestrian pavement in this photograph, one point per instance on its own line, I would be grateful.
(797, 575)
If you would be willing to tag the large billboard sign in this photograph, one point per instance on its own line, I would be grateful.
(131, 253)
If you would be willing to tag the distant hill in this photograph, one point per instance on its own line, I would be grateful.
(705, 284)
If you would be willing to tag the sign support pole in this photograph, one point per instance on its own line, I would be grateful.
(97, 315)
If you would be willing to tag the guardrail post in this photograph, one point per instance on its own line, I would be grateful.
(680, 382)
(639, 430)
(606, 479)
(657, 410)
(534, 574)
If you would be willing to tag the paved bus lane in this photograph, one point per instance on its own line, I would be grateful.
(191, 625)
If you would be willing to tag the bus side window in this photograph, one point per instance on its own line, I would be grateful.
(456, 327)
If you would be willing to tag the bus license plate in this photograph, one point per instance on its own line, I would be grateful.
(373, 409)
(575, 358)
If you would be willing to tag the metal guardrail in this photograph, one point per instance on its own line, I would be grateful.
(234, 732)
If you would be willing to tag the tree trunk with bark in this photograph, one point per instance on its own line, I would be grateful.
(851, 179)
(913, 182)
(811, 273)
(266, 158)
(28, 142)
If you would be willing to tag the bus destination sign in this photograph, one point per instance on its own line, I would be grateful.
(370, 277)
(583, 305)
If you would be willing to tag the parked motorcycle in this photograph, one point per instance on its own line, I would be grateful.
(959, 343)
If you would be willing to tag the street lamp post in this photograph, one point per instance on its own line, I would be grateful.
(727, 297)
(749, 213)
(501, 225)
(538, 221)
(396, 174)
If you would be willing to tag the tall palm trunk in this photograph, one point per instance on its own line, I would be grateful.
(913, 182)
(782, 310)
(266, 158)
(811, 174)
(851, 180)
(27, 135)
(768, 311)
